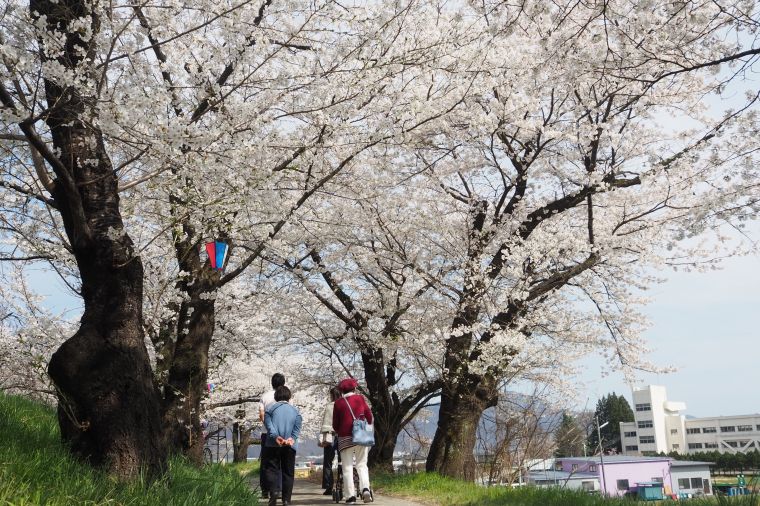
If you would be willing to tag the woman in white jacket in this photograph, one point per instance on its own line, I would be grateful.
(327, 441)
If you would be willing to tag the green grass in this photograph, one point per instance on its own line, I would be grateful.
(742, 500)
(435, 489)
(36, 469)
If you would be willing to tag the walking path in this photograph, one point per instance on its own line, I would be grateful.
(306, 493)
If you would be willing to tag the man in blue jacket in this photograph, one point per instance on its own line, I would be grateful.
(283, 424)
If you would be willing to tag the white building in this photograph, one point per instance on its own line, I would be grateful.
(660, 426)
(690, 478)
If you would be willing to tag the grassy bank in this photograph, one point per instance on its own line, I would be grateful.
(435, 489)
(35, 469)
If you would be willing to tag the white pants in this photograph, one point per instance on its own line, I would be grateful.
(347, 465)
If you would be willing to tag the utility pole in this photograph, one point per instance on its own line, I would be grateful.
(601, 451)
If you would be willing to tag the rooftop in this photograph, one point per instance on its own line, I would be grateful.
(687, 463)
(550, 475)
(616, 459)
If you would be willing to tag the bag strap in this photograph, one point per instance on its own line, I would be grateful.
(349, 408)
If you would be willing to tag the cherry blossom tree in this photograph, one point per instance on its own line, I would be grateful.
(312, 127)
(564, 191)
(462, 192)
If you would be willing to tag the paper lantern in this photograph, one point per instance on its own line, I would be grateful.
(217, 254)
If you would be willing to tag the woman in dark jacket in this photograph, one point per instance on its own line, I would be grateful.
(349, 407)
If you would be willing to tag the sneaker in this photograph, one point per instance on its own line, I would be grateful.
(367, 495)
(273, 499)
(351, 500)
(265, 495)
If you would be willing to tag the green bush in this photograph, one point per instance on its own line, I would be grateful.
(36, 469)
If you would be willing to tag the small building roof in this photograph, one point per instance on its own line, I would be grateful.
(688, 463)
(615, 459)
(550, 475)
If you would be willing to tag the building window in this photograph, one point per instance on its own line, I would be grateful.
(574, 468)
(695, 446)
(630, 434)
(588, 486)
(592, 468)
(744, 428)
(673, 431)
(558, 465)
(758, 427)
(644, 407)
(706, 486)
(732, 444)
(696, 483)
(645, 424)
(683, 483)
(646, 439)
(709, 430)
(676, 446)
(693, 431)
(711, 445)
(727, 428)
(632, 448)
(622, 484)
(656, 480)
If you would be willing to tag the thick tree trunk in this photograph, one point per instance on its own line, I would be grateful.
(465, 395)
(109, 409)
(188, 377)
(384, 410)
(381, 455)
(389, 411)
(241, 440)
(452, 450)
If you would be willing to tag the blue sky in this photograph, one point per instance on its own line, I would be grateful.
(705, 325)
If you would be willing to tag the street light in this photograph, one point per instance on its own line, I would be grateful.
(601, 450)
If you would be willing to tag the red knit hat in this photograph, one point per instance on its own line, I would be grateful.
(348, 384)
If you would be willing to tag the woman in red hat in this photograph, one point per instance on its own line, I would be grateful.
(349, 407)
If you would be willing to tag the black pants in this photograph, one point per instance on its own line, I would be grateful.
(279, 469)
(327, 474)
(263, 457)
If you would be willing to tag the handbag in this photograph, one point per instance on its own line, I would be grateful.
(362, 433)
(326, 440)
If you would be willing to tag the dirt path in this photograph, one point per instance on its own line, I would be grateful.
(306, 493)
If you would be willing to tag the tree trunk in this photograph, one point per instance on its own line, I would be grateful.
(381, 455)
(241, 440)
(464, 395)
(109, 409)
(390, 413)
(452, 450)
(188, 377)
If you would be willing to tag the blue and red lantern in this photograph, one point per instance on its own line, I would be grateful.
(217, 254)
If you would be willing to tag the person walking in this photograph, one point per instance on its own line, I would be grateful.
(278, 380)
(283, 423)
(327, 441)
(349, 407)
